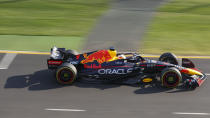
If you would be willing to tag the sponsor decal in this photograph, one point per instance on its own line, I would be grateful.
(94, 66)
(52, 62)
(100, 56)
(114, 71)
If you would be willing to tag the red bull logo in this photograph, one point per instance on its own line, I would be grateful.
(100, 56)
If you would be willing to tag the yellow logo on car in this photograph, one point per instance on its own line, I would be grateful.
(147, 80)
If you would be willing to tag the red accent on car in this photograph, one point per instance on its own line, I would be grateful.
(54, 62)
(184, 71)
(200, 81)
(160, 65)
(143, 65)
(94, 66)
(77, 56)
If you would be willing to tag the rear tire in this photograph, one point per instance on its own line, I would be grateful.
(66, 74)
(170, 77)
(169, 58)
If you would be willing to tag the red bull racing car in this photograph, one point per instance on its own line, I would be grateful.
(109, 65)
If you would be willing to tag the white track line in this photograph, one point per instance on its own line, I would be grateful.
(7, 60)
(47, 109)
(186, 113)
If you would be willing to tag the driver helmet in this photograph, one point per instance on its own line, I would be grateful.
(112, 48)
(122, 56)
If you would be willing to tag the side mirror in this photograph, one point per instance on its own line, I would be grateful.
(187, 63)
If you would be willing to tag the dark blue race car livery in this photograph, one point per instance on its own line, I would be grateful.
(109, 65)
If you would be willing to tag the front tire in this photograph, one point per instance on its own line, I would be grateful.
(66, 74)
(171, 77)
(169, 58)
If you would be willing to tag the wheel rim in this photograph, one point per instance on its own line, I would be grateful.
(171, 79)
(65, 75)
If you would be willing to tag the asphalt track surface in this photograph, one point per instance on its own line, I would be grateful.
(123, 26)
(27, 89)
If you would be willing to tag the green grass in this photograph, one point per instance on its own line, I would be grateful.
(63, 18)
(38, 43)
(49, 17)
(181, 27)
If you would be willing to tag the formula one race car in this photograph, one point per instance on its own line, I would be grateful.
(112, 66)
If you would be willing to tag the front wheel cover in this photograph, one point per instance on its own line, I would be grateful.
(171, 77)
(65, 75)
